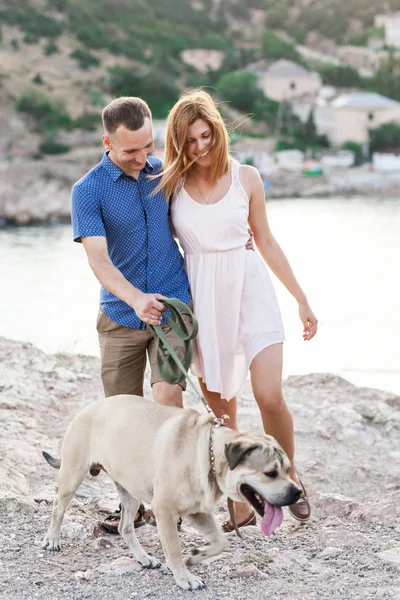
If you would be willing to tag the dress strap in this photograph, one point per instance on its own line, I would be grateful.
(235, 170)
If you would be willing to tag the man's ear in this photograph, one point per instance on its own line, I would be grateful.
(106, 142)
(236, 451)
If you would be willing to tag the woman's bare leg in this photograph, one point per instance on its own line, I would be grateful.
(222, 407)
(266, 381)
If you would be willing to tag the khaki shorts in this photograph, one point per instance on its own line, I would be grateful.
(123, 356)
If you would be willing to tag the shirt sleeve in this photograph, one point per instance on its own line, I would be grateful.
(86, 216)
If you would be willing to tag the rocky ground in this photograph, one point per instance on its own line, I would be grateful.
(348, 451)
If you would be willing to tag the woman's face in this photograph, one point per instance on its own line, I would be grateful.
(199, 143)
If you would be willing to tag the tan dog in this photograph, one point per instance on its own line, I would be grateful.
(161, 455)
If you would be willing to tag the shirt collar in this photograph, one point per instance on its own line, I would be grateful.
(115, 172)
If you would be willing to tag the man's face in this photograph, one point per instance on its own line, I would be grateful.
(129, 149)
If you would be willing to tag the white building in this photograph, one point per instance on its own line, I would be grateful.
(348, 116)
(285, 79)
(391, 23)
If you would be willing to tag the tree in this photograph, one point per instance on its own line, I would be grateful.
(241, 90)
(339, 76)
(356, 148)
(310, 129)
(385, 137)
(274, 46)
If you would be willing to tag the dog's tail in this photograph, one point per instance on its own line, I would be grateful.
(53, 462)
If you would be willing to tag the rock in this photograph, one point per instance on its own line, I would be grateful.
(9, 506)
(83, 575)
(120, 566)
(340, 538)
(391, 557)
(102, 543)
(385, 510)
(65, 374)
(327, 505)
(330, 552)
(250, 571)
(73, 530)
(46, 494)
(88, 490)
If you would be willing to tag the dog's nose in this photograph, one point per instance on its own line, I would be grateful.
(295, 493)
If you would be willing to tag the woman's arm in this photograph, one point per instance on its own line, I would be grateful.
(270, 250)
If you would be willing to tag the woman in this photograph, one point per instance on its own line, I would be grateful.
(214, 201)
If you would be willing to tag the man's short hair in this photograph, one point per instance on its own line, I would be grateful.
(128, 111)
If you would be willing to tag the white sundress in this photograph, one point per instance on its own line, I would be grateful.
(233, 296)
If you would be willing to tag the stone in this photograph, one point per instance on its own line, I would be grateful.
(386, 510)
(330, 552)
(88, 490)
(13, 505)
(250, 571)
(121, 566)
(391, 557)
(327, 505)
(102, 543)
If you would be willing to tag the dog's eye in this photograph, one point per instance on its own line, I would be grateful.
(272, 474)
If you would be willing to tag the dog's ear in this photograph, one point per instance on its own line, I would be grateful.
(236, 451)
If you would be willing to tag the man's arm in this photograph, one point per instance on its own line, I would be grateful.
(146, 306)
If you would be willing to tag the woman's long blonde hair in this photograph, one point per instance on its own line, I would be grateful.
(192, 105)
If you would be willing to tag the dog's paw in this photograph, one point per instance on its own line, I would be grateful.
(190, 582)
(52, 544)
(149, 562)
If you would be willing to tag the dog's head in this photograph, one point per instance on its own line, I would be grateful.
(258, 471)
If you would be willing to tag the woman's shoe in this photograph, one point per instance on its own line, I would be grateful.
(227, 527)
(301, 510)
(111, 523)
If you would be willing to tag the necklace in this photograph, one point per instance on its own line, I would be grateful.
(206, 200)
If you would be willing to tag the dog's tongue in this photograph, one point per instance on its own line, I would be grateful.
(273, 517)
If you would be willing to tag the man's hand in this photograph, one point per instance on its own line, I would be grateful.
(250, 241)
(148, 308)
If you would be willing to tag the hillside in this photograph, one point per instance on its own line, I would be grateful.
(62, 60)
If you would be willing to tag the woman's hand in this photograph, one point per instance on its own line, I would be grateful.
(309, 321)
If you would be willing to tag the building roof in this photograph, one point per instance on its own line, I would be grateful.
(364, 100)
(287, 68)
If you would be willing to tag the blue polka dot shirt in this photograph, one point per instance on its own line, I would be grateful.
(107, 202)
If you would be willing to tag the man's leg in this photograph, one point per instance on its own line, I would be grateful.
(123, 357)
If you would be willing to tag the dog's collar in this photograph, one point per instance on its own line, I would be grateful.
(217, 423)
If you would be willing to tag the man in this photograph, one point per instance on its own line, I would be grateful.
(125, 231)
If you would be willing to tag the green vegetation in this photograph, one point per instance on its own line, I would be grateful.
(38, 79)
(242, 91)
(361, 38)
(96, 98)
(155, 86)
(386, 80)
(85, 58)
(296, 135)
(339, 76)
(49, 115)
(35, 24)
(50, 48)
(277, 16)
(51, 146)
(87, 121)
(274, 46)
(385, 137)
(356, 148)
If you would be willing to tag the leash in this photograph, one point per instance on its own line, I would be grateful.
(172, 367)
